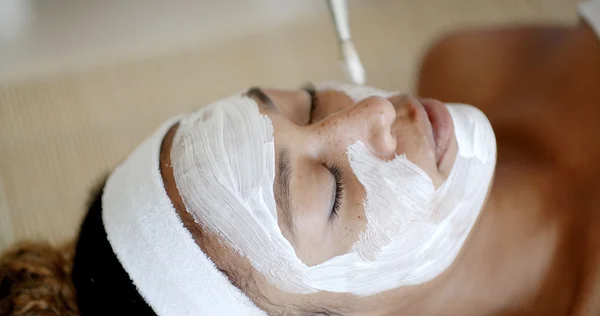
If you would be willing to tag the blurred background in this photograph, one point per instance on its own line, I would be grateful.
(83, 82)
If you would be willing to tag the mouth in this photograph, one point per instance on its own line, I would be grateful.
(441, 125)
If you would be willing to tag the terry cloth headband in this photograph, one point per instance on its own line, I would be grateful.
(135, 257)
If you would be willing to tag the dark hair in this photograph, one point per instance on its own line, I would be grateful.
(103, 286)
(34, 280)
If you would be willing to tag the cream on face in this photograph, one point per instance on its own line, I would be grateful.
(224, 165)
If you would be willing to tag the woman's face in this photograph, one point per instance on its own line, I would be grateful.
(319, 199)
(370, 194)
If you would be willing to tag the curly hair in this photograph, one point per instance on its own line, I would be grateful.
(35, 279)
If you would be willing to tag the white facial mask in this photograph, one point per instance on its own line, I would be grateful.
(223, 162)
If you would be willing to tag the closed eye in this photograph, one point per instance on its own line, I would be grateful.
(337, 191)
(310, 89)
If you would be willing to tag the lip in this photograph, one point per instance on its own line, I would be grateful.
(441, 125)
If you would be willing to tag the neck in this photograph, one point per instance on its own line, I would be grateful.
(539, 197)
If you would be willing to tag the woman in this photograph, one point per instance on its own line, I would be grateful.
(532, 249)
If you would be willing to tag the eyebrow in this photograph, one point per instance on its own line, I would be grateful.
(283, 193)
(258, 93)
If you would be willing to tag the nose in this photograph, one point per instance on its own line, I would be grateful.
(369, 120)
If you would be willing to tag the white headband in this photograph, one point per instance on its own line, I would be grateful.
(168, 268)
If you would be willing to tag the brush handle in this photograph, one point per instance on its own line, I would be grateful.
(352, 65)
(339, 13)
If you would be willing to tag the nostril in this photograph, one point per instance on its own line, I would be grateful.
(405, 105)
(412, 107)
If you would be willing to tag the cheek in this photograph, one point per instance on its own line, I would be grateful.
(348, 228)
(311, 199)
(351, 220)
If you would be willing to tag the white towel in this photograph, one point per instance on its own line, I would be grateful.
(169, 269)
